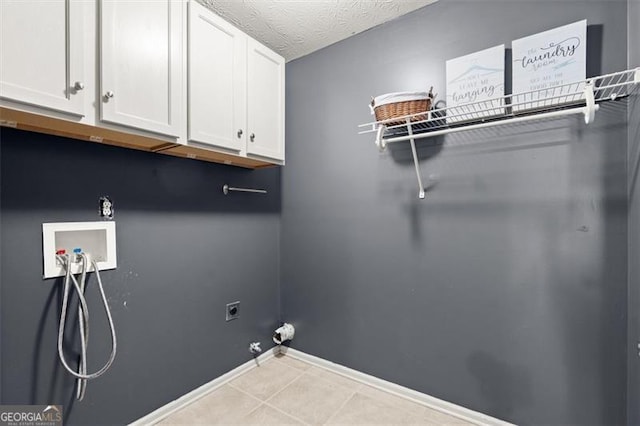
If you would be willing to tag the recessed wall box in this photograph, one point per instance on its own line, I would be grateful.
(96, 239)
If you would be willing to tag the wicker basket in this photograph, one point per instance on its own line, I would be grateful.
(391, 110)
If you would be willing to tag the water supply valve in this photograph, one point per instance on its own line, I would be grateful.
(254, 348)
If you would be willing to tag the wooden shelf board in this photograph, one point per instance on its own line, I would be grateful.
(55, 126)
(195, 153)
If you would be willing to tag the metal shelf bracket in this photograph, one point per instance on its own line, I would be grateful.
(591, 108)
(416, 162)
(380, 142)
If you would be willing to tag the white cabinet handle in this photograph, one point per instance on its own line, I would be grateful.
(252, 137)
(108, 95)
(78, 85)
(240, 133)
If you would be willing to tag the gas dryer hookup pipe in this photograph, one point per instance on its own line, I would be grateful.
(283, 333)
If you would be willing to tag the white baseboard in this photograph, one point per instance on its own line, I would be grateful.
(401, 391)
(175, 405)
(418, 397)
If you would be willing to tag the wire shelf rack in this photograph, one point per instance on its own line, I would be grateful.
(581, 97)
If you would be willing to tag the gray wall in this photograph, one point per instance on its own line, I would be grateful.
(633, 170)
(184, 251)
(505, 289)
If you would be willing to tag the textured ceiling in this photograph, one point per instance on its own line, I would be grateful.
(295, 28)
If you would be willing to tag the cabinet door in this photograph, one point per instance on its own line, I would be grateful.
(41, 56)
(217, 80)
(141, 66)
(266, 102)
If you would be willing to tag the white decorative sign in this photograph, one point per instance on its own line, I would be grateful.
(546, 64)
(474, 82)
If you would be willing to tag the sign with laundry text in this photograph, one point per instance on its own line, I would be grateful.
(475, 85)
(548, 65)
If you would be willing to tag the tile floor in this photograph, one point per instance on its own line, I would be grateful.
(286, 391)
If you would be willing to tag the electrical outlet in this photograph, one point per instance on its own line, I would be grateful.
(106, 208)
(233, 310)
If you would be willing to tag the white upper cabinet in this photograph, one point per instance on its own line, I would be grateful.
(236, 89)
(141, 64)
(217, 80)
(41, 53)
(265, 111)
(166, 70)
